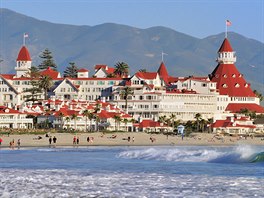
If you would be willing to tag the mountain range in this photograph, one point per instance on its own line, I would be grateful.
(141, 48)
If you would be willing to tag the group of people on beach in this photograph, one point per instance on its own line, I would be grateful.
(54, 140)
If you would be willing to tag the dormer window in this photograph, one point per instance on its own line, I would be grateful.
(233, 75)
(224, 85)
(237, 85)
(240, 75)
(246, 85)
(225, 76)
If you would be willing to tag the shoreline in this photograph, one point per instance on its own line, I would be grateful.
(122, 139)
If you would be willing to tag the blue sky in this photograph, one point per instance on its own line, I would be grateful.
(199, 18)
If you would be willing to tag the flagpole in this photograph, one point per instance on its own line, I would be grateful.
(225, 29)
(24, 40)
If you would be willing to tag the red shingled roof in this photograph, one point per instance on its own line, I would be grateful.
(83, 70)
(147, 75)
(230, 81)
(50, 72)
(5, 110)
(150, 123)
(228, 124)
(23, 54)
(225, 47)
(236, 107)
(162, 71)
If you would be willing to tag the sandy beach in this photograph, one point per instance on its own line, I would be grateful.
(121, 139)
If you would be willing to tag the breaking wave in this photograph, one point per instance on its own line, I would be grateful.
(239, 154)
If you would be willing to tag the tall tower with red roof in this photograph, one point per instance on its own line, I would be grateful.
(162, 71)
(23, 62)
(231, 82)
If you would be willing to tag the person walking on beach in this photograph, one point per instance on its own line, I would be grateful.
(74, 140)
(1, 140)
(18, 143)
(50, 140)
(78, 140)
(54, 139)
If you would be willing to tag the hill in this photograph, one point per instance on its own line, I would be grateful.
(140, 48)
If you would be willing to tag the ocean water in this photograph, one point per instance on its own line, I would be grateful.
(170, 171)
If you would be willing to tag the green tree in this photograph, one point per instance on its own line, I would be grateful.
(68, 119)
(74, 118)
(259, 95)
(172, 120)
(117, 119)
(34, 91)
(127, 91)
(198, 117)
(142, 70)
(163, 119)
(121, 69)
(125, 122)
(45, 83)
(86, 114)
(111, 75)
(61, 115)
(71, 70)
(47, 60)
(91, 117)
(210, 121)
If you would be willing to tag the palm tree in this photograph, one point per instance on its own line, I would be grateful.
(117, 119)
(162, 119)
(97, 120)
(61, 115)
(172, 118)
(121, 69)
(90, 117)
(125, 121)
(127, 91)
(86, 114)
(74, 118)
(45, 84)
(198, 117)
(210, 122)
(202, 124)
(67, 119)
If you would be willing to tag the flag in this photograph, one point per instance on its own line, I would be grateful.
(228, 23)
(25, 35)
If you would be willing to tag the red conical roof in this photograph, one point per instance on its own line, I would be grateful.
(225, 47)
(228, 78)
(162, 71)
(230, 81)
(23, 54)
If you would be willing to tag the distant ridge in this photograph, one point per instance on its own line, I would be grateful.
(140, 48)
